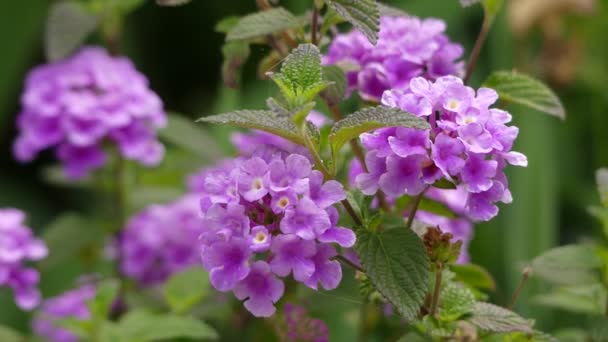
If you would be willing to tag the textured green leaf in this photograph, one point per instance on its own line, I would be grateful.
(585, 299)
(568, 265)
(184, 133)
(68, 25)
(184, 289)
(474, 276)
(397, 264)
(66, 236)
(456, 301)
(524, 90)
(362, 14)
(601, 178)
(142, 326)
(9, 335)
(235, 54)
(263, 23)
(263, 120)
(390, 11)
(492, 318)
(369, 119)
(334, 94)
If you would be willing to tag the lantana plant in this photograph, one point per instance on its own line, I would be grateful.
(371, 163)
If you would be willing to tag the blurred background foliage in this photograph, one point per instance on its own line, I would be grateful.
(561, 41)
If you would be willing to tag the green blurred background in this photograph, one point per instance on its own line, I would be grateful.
(562, 41)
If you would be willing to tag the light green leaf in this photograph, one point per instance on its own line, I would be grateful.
(601, 178)
(9, 335)
(362, 14)
(334, 94)
(492, 318)
(184, 133)
(524, 90)
(68, 25)
(67, 235)
(369, 119)
(185, 289)
(226, 24)
(235, 54)
(585, 299)
(456, 301)
(396, 262)
(568, 265)
(142, 326)
(263, 120)
(263, 23)
(104, 298)
(474, 276)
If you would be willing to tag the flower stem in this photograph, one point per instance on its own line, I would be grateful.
(412, 215)
(481, 39)
(524, 278)
(437, 289)
(344, 260)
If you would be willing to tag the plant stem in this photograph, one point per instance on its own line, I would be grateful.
(414, 209)
(481, 39)
(344, 260)
(524, 278)
(437, 289)
(315, 23)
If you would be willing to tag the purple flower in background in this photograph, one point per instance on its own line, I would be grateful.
(18, 246)
(161, 240)
(407, 47)
(281, 222)
(71, 304)
(302, 327)
(261, 288)
(78, 104)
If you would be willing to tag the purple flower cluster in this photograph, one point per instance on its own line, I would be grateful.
(161, 240)
(71, 304)
(267, 216)
(77, 104)
(17, 246)
(301, 327)
(469, 144)
(407, 47)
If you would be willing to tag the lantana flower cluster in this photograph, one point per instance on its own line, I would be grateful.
(77, 104)
(407, 47)
(302, 327)
(71, 304)
(267, 216)
(161, 240)
(468, 144)
(18, 246)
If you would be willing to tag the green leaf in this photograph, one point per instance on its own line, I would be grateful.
(9, 335)
(67, 235)
(185, 289)
(474, 276)
(263, 120)
(601, 178)
(226, 24)
(368, 119)
(397, 264)
(301, 77)
(263, 23)
(362, 14)
(68, 25)
(492, 318)
(141, 197)
(456, 301)
(390, 11)
(585, 299)
(142, 326)
(235, 54)
(334, 94)
(184, 133)
(568, 265)
(524, 90)
(104, 298)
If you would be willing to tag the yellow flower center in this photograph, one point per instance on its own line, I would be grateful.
(257, 184)
(453, 104)
(260, 237)
(283, 202)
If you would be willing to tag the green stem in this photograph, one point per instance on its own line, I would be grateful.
(437, 289)
(344, 260)
(412, 215)
(481, 39)
(524, 278)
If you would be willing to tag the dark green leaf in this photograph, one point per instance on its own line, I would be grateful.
(184, 133)
(492, 318)
(568, 265)
(474, 276)
(334, 94)
(263, 23)
(183, 290)
(524, 90)
(68, 25)
(397, 264)
(362, 14)
(369, 119)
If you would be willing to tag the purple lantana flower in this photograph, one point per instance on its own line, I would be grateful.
(261, 289)
(78, 104)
